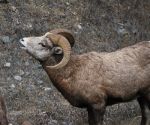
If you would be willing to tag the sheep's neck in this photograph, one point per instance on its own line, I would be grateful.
(60, 77)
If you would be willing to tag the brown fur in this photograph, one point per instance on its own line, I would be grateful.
(94, 80)
(26, 123)
(3, 117)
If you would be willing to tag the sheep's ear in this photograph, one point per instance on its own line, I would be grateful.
(57, 50)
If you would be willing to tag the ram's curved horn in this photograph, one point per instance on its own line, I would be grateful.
(66, 33)
(65, 45)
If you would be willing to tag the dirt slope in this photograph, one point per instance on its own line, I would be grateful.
(98, 25)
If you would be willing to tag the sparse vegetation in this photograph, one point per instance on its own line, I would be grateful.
(106, 26)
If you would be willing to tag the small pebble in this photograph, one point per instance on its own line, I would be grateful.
(7, 64)
(18, 78)
(26, 63)
(47, 88)
(40, 82)
(79, 26)
(13, 8)
(43, 112)
(64, 123)
(21, 72)
(54, 121)
(67, 3)
(8, 78)
(27, 73)
(12, 86)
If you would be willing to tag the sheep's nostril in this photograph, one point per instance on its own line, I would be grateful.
(22, 40)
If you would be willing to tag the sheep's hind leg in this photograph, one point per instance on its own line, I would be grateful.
(95, 116)
(148, 100)
(148, 104)
(144, 105)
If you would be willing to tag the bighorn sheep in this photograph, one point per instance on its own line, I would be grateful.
(3, 117)
(94, 80)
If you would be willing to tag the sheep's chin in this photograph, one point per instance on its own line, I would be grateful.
(23, 48)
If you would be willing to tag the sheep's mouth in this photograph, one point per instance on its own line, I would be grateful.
(22, 45)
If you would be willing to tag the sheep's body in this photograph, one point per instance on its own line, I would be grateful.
(100, 79)
(94, 80)
(120, 76)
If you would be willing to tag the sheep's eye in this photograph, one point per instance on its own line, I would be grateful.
(42, 44)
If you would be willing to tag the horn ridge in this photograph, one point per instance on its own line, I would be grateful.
(65, 45)
(66, 33)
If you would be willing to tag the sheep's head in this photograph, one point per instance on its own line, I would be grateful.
(57, 41)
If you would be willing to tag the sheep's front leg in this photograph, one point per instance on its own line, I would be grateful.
(144, 105)
(95, 115)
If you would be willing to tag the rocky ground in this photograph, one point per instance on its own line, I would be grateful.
(98, 25)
